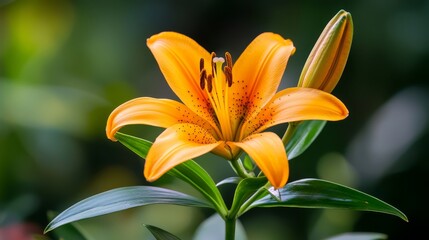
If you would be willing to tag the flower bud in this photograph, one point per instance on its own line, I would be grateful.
(327, 60)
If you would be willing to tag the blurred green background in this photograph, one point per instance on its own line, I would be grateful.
(64, 65)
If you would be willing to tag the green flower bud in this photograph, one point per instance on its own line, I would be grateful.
(328, 58)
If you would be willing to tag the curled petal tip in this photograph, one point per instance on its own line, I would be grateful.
(112, 138)
(290, 43)
(150, 178)
(110, 129)
(149, 174)
(109, 133)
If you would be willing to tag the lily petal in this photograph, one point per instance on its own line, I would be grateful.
(178, 57)
(151, 111)
(175, 145)
(257, 74)
(297, 104)
(268, 152)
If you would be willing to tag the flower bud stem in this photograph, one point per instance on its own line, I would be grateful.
(239, 168)
(289, 132)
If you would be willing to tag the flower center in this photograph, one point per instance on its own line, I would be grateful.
(216, 83)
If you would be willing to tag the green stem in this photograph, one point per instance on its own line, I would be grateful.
(289, 132)
(239, 168)
(230, 223)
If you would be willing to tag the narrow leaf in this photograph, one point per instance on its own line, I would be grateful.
(248, 163)
(71, 231)
(120, 199)
(137, 145)
(160, 234)
(245, 189)
(197, 177)
(189, 171)
(233, 180)
(305, 134)
(316, 193)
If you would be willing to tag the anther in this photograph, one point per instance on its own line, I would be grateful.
(228, 75)
(209, 83)
(201, 64)
(203, 76)
(228, 59)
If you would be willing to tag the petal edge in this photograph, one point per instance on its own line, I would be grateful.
(268, 152)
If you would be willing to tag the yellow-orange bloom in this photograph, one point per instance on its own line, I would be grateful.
(225, 107)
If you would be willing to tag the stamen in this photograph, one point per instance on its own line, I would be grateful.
(228, 59)
(213, 67)
(228, 75)
(201, 64)
(209, 83)
(203, 76)
(228, 68)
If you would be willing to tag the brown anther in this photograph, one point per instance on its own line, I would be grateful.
(201, 64)
(209, 83)
(228, 75)
(203, 76)
(213, 67)
(228, 59)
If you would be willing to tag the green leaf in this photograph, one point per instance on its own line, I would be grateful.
(189, 171)
(359, 236)
(233, 180)
(197, 177)
(316, 193)
(71, 231)
(137, 145)
(245, 189)
(248, 163)
(120, 199)
(304, 135)
(160, 234)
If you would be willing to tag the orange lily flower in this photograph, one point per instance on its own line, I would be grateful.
(225, 107)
